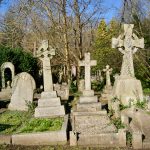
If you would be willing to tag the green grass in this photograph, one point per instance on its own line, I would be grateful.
(41, 125)
(22, 122)
(146, 91)
(11, 120)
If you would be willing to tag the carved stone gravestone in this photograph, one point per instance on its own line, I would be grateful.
(23, 87)
(88, 94)
(62, 90)
(99, 75)
(127, 88)
(106, 95)
(49, 104)
(108, 71)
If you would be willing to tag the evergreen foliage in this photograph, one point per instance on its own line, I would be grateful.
(23, 61)
(103, 52)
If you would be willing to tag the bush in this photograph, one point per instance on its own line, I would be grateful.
(141, 104)
(118, 123)
(73, 88)
(98, 85)
(23, 61)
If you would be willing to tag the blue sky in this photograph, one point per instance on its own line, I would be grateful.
(113, 6)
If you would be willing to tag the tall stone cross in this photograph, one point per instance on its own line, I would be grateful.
(108, 71)
(128, 44)
(87, 63)
(45, 53)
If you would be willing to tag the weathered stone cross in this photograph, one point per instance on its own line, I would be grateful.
(127, 44)
(108, 71)
(87, 63)
(45, 53)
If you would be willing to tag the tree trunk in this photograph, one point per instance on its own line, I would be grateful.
(66, 43)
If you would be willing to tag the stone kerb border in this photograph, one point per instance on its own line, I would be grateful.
(104, 140)
(38, 138)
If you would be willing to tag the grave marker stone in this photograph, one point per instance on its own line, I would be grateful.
(23, 87)
(49, 104)
(127, 87)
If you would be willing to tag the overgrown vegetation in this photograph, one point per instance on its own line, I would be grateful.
(41, 125)
(73, 88)
(31, 107)
(129, 138)
(118, 123)
(97, 85)
(122, 107)
(146, 91)
(10, 121)
(22, 122)
(141, 104)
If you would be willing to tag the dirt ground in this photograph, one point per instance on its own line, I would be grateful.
(66, 147)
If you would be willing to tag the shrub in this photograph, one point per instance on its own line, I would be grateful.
(23, 61)
(118, 123)
(97, 85)
(141, 104)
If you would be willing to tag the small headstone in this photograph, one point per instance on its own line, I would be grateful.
(23, 87)
(73, 70)
(108, 71)
(107, 91)
(62, 90)
(99, 75)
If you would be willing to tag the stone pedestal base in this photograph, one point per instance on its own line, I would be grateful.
(49, 105)
(21, 106)
(88, 97)
(106, 95)
(88, 107)
(127, 90)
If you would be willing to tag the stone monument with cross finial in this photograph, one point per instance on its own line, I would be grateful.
(106, 94)
(49, 104)
(127, 88)
(108, 71)
(88, 94)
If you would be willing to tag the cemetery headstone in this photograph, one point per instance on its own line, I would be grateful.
(88, 94)
(49, 104)
(127, 87)
(23, 87)
(62, 90)
(107, 92)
